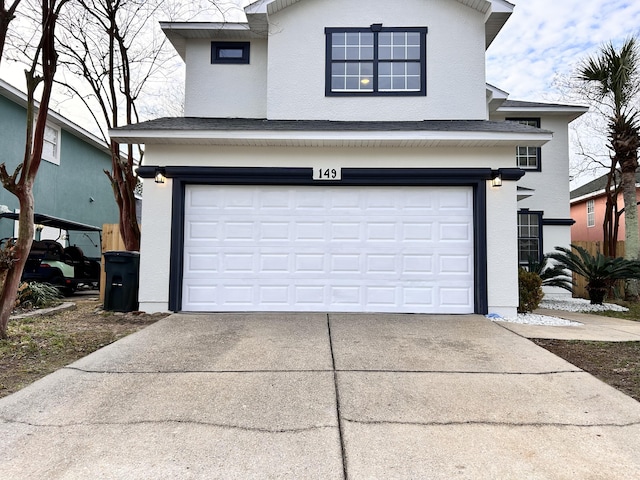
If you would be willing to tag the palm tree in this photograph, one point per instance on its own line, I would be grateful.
(613, 78)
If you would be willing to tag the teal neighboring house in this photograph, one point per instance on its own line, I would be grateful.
(71, 183)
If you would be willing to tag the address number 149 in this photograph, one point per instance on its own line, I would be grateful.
(327, 173)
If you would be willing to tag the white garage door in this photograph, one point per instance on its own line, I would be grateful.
(337, 249)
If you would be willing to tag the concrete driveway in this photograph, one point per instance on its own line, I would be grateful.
(306, 396)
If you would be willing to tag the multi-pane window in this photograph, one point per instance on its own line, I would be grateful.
(529, 237)
(376, 61)
(591, 213)
(528, 158)
(51, 144)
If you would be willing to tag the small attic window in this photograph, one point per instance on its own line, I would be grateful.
(230, 52)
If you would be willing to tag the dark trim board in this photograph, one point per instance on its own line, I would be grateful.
(183, 176)
(558, 222)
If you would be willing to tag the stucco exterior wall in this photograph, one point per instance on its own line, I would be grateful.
(286, 75)
(155, 245)
(501, 203)
(225, 91)
(455, 61)
(551, 184)
(502, 249)
(202, 155)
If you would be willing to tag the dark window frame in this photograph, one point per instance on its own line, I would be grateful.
(538, 167)
(538, 238)
(376, 29)
(217, 47)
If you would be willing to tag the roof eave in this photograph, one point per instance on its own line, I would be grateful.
(572, 112)
(496, 18)
(13, 94)
(179, 32)
(337, 138)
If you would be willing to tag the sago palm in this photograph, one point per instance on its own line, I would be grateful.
(600, 271)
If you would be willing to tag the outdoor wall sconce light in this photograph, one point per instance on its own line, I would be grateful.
(160, 175)
(496, 180)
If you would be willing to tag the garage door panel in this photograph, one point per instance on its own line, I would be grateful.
(328, 249)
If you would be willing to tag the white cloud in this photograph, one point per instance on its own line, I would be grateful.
(544, 38)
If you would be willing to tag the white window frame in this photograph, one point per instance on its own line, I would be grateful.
(53, 157)
(528, 158)
(591, 213)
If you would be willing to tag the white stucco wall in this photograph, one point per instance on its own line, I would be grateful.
(551, 184)
(225, 91)
(291, 83)
(155, 245)
(455, 61)
(203, 155)
(502, 249)
(501, 203)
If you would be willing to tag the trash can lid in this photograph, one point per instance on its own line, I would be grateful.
(121, 253)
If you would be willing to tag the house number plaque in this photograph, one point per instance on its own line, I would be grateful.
(327, 173)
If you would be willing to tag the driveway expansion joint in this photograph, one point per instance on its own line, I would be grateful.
(343, 450)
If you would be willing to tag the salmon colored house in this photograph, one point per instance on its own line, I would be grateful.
(588, 204)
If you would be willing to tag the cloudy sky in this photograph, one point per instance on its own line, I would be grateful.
(544, 38)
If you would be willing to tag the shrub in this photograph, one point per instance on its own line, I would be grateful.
(530, 289)
(37, 295)
(600, 271)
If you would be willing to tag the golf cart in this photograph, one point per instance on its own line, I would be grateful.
(67, 267)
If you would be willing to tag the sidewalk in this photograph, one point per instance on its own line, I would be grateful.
(594, 328)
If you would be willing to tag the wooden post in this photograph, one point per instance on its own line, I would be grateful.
(111, 240)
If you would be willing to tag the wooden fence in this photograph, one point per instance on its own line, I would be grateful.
(579, 290)
(111, 240)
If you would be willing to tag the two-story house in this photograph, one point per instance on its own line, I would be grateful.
(70, 185)
(347, 156)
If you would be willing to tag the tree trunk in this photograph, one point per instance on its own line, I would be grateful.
(632, 237)
(21, 182)
(22, 247)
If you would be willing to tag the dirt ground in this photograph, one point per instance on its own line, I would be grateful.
(39, 345)
(42, 344)
(615, 363)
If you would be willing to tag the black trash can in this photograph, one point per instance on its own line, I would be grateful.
(122, 278)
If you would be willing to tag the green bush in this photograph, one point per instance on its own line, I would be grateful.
(37, 295)
(530, 289)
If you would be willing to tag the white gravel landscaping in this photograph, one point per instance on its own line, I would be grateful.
(568, 305)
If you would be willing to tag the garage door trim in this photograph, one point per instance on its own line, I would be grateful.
(475, 178)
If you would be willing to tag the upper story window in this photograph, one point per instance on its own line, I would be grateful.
(376, 61)
(51, 144)
(230, 52)
(528, 158)
(591, 213)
